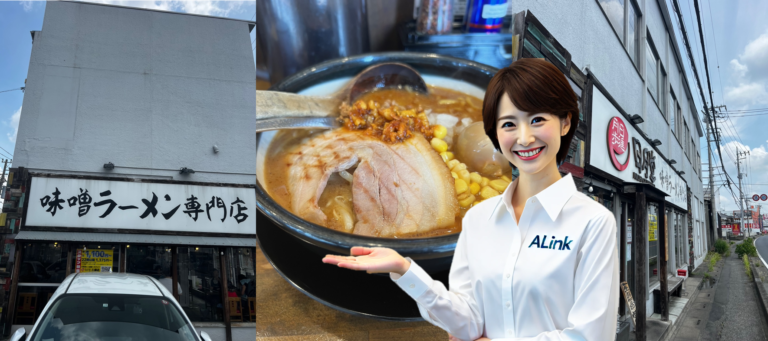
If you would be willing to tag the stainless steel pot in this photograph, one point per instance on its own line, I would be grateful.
(433, 254)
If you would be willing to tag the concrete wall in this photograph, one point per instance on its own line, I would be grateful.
(139, 88)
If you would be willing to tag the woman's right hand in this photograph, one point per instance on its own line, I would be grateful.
(372, 260)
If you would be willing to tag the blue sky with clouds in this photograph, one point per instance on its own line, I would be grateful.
(18, 18)
(736, 39)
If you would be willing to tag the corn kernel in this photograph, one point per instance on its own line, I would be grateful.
(459, 167)
(361, 105)
(506, 178)
(475, 203)
(447, 156)
(372, 104)
(454, 175)
(464, 175)
(463, 196)
(498, 184)
(487, 192)
(439, 131)
(476, 177)
(439, 145)
(485, 182)
(467, 201)
(474, 188)
(407, 113)
(452, 163)
(461, 186)
(388, 113)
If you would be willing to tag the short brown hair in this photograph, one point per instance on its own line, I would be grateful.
(534, 86)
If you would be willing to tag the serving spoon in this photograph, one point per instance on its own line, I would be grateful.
(277, 110)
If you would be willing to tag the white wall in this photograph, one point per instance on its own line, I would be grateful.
(142, 89)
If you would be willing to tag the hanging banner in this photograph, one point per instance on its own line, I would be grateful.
(94, 260)
(653, 228)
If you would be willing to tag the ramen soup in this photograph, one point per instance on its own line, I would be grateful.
(403, 165)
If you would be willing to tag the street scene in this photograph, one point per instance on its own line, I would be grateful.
(467, 170)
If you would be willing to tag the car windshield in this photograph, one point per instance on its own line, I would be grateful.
(113, 317)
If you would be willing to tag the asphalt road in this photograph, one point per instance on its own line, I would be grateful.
(762, 249)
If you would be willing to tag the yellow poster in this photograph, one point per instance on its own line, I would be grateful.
(94, 260)
(653, 228)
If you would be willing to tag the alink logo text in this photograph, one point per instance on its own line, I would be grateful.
(554, 243)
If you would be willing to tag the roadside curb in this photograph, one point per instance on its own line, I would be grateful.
(761, 292)
(754, 243)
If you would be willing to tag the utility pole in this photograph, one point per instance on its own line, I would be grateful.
(2, 179)
(713, 215)
(741, 193)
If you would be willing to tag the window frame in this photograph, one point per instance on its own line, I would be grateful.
(624, 35)
(651, 49)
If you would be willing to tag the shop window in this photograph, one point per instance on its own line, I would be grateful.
(96, 258)
(151, 260)
(653, 244)
(200, 281)
(43, 263)
(241, 280)
(603, 196)
(30, 301)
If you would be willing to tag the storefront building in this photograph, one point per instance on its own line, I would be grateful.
(135, 153)
(636, 148)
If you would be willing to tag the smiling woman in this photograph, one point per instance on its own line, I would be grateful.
(545, 268)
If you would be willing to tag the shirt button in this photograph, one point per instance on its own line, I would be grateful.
(509, 331)
(508, 275)
(412, 286)
(509, 304)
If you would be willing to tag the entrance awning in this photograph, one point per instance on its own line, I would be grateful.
(135, 238)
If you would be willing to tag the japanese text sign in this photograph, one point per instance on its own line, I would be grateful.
(618, 149)
(141, 206)
(94, 260)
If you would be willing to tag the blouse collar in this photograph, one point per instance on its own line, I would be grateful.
(552, 199)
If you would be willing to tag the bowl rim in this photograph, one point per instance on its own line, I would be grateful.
(341, 242)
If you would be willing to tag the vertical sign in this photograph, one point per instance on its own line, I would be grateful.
(666, 241)
(628, 299)
(653, 228)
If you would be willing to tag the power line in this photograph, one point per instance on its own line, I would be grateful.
(7, 152)
(717, 57)
(21, 88)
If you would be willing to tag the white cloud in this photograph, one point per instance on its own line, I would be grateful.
(27, 5)
(746, 94)
(739, 70)
(204, 7)
(755, 56)
(14, 123)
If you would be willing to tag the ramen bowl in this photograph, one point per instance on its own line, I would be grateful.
(432, 253)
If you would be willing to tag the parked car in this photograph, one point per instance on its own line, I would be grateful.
(111, 306)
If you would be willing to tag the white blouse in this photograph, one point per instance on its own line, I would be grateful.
(552, 276)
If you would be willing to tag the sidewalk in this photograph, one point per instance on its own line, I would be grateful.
(661, 330)
(725, 308)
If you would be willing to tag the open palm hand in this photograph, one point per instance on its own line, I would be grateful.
(372, 260)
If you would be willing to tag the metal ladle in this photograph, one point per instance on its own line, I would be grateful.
(281, 110)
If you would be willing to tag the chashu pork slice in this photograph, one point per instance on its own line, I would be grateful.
(397, 188)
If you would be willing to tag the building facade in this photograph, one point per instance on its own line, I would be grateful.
(135, 153)
(636, 147)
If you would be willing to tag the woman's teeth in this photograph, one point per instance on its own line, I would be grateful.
(530, 153)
